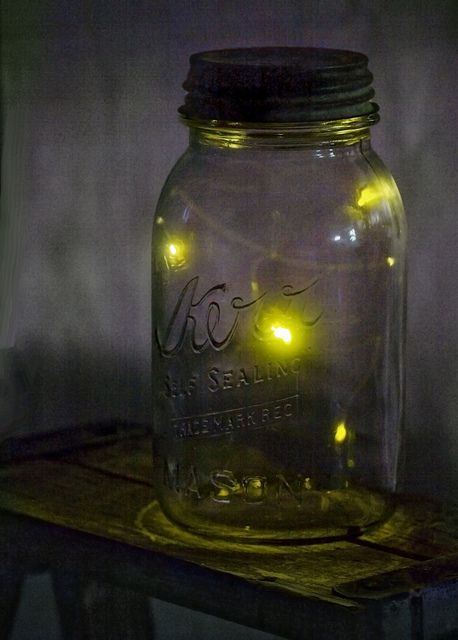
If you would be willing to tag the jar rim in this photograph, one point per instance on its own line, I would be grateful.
(320, 132)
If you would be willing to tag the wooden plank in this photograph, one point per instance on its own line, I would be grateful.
(90, 501)
(216, 593)
(440, 571)
(417, 528)
(191, 585)
(420, 527)
(106, 492)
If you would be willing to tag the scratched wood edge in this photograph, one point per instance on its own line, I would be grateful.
(422, 575)
(419, 601)
(249, 603)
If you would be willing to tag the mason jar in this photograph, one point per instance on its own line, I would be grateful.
(278, 302)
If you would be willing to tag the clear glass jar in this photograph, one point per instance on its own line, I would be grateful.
(278, 319)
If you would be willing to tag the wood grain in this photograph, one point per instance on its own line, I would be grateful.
(106, 505)
(94, 511)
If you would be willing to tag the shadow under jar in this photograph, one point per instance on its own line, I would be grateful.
(278, 302)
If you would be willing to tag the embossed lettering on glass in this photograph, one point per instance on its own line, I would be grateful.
(278, 302)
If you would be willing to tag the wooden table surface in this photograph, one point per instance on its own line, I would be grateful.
(93, 512)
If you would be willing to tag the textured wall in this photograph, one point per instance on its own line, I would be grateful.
(90, 133)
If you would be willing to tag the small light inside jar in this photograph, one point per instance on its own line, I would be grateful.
(280, 330)
(373, 193)
(282, 333)
(368, 195)
(175, 254)
(341, 433)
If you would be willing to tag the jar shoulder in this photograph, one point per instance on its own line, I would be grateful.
(283, 189)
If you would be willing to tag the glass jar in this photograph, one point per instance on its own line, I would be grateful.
(278, 302)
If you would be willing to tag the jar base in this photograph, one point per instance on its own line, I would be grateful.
(324, 515)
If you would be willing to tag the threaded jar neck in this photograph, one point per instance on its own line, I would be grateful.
(236, 135)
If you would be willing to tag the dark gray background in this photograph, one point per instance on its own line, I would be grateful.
(90, 132)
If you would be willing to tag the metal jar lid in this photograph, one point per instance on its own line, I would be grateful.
(278, 84)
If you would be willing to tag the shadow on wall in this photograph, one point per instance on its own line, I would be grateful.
(73, 386)
(43, 390)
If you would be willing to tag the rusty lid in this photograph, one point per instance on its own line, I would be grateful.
(278, 84)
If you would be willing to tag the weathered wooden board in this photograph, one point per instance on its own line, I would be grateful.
(94, 512)
(417, 528)
(106, 505)
(247, 602)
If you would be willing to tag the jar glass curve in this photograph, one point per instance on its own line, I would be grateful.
(278, 323)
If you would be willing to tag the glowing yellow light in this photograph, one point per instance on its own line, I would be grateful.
(372, 193)
(390, 261)
(307, 483)
(175, 254)
(341, 433)
(282, 333)
(368, 195)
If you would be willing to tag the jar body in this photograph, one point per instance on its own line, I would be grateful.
(278, 320)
